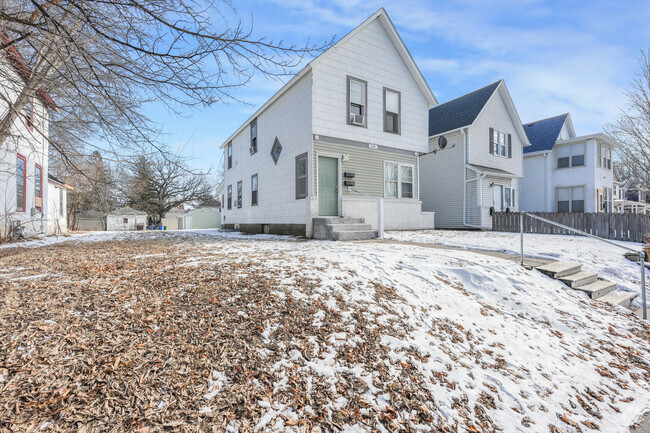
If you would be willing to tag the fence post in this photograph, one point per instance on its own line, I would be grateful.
(521, 233)
(643, 298)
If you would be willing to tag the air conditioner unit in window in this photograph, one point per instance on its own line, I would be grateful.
(356, 119)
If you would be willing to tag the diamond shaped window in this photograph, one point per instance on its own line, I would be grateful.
(276, 150)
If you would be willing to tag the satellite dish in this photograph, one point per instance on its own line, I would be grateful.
(442, 142)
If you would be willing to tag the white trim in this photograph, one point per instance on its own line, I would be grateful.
(336, 156)
(399, 179)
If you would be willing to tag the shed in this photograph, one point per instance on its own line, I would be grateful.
(200, 218)
(125, 219)
(90, 220)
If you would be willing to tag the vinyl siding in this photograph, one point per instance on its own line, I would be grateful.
(494, 115)
(474, 211)
(371, 56)
(441, 181)
(366, 164)
(288, 119)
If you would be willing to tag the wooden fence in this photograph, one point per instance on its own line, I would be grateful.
(617, 226)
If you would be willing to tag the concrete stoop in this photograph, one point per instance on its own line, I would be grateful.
(342, 229)
(571, 274)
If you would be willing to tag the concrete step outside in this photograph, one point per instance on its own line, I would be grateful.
(340, 220)
(560, 269)
(349, 227)
(355, 235)
(598, 288)
(624, 299)
(579, 279)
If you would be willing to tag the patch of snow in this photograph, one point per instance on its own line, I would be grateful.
(217, 382)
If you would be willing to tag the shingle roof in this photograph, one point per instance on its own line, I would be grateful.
(459, 112)
(126, 211)
(543, 134)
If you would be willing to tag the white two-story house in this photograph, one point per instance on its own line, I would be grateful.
(344, 132)
(474, 160)
(566, 173)
(24, 155)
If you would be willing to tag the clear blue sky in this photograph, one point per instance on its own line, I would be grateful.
(555, 56)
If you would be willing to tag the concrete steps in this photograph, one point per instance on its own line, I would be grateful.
(571, 274)
(342, 229)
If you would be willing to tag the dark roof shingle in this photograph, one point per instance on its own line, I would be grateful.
(543, 134)
(459, 112)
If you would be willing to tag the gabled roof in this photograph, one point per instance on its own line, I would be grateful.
(461, 111)
(543, 134)
(126, 211)
(23, 70)
(404, 53)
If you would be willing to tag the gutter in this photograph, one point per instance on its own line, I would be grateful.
(466, 181)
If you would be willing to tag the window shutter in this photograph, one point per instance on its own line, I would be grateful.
(510, 146)
(491, 140)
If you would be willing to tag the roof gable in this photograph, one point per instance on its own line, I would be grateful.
(543, 134)
(461, 111)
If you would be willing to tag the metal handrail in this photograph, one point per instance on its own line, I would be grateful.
(589, 235)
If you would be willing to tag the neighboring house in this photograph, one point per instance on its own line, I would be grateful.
(171, 218)
(125, 219)
(90, 220)
(629, 196)
(57, 199)
(475, 158)
(566, 173)
(354, 119)
(24, 155)
(200, 218)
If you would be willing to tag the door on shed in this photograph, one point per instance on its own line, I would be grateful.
(328, 190)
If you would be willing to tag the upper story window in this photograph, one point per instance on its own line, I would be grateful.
(572, 155)
(357, 102)
(392, 106)
(253, 148)
(500, 143)
(229, 155)
(21, 183)
(398, 180)
(29, 114)
(604, 156)
(301, 176)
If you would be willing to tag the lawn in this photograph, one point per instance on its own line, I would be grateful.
(206, 331)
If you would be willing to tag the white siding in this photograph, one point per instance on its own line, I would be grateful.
(494, 115)
(57, 221)
(534, 184)
(370, 56)
(441, 181)
(288, 119)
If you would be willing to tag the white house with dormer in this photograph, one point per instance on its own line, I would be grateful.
(564, 172)
(343, 133)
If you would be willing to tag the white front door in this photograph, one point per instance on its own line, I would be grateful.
(498, 198)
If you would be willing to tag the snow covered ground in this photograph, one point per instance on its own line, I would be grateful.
(596, 256)
(396, 336)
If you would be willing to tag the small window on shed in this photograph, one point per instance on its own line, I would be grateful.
(125, 220)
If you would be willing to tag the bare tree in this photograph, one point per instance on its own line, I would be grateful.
(103, 62)
(632, 129)
(157, 185)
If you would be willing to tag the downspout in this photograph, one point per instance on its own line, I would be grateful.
(466, 181)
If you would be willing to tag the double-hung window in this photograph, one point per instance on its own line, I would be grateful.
(254, 190)
(604, 156)
(301, 176)
(29, 114)
(21, 183)
(229, 155)
(398, 180)
(392, 106)
(571, 155)
(229, 196)
(239, 192)
(357, 102)
(253, 136)
(509, 197)
(571, 199)
(38, 187)
(500, 143)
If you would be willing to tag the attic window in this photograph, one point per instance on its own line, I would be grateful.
(276, 150)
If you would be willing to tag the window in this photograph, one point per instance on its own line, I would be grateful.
(254, 136)
(301, 176)
(571, 199)
(254, 190)
(21, 183)
(239, 194)
(571, 155)
(509, 197)
(500, 143)
(604, 156)
(38, 187)
(608, 205)
(392, 105)
(229, 155)
(276, 150)
(398, 180)
(29, 114)
(357, 102)
(61, 202)
(125, 220)
(504, 197)
(229, 196)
